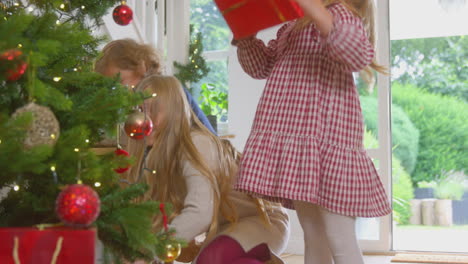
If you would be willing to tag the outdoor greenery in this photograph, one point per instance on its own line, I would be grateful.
(437, 65)
(213, 91)
(208, 21)
(402, 192)
(405, 136)
(401, 182)
(213, 101)
(450, 186)
(196, 67)
(441, 121)
(452, 190)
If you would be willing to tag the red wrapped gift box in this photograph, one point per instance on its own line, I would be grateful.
(247, 17)
(34, 246)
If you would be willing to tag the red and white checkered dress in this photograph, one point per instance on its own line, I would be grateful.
(306, 139)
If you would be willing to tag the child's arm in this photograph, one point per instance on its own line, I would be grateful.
(196, 216)
(342, 32)
(347, 43)
(256, 58)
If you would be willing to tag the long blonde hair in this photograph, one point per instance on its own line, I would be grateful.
(127, 54)
(365, 10)
(173, 146)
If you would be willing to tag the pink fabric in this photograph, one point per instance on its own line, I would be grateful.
(306, 139)
(246, 261)
(226, 250)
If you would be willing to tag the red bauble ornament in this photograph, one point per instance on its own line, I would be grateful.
(121, 152)
(138, 125)
(19, 66)
(122, 15)
(77, 205)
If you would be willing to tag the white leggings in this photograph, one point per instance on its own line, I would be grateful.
(328, 237)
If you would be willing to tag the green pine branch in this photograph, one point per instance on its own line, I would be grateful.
(196, 68)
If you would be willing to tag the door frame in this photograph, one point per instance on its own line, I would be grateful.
(384, 151)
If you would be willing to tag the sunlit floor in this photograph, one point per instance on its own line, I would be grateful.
(294, 259)
(431, 238)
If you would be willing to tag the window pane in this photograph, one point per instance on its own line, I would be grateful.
(207, 19)
(212, 90)
(368, 228)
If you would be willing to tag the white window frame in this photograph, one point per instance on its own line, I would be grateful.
(173, 31)
(384, 151)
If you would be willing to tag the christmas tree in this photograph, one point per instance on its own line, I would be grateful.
(53, 110)
(196, 69)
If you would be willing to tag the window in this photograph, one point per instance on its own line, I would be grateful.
(429, 110)
(216, 37)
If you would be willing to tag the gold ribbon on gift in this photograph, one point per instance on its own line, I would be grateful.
(58, 248)
(15, 250)
(272, 3)
(277, 10)
(233, 7)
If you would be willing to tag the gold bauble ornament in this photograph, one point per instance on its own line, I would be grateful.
(171, 253)
(44, 128)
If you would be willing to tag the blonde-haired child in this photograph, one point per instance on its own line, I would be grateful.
(195, 171)
(305, 149)
(133, 61)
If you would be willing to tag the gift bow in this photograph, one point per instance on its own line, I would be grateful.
(239, 4)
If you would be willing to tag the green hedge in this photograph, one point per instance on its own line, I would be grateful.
(443, 127)
(405, 136)
(402, 192)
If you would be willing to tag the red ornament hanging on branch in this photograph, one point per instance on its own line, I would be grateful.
(19, 66)
(78, 205)
(138, 125)
(121, 152)
(122, 14)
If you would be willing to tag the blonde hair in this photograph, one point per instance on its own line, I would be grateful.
(365, 10)
(173, 146)
(128, 54)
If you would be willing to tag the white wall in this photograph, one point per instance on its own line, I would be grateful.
(143, 28)
(244, 94)
(115, 31)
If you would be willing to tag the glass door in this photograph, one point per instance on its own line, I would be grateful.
(429, 83)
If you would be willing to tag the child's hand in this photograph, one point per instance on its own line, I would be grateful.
(318, 13)
(311, 8)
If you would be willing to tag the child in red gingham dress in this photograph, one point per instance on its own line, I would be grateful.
(305, 149)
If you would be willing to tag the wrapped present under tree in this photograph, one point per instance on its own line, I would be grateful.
(54, 245)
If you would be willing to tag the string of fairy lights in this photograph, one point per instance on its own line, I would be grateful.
(65, 15)
(97, 184)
